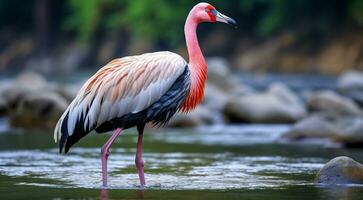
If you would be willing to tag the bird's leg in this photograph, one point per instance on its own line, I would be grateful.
(138, 158)
(105, 151)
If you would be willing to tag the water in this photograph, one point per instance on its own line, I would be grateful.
(215, 162)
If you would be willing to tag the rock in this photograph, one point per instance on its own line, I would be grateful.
(344, 129)
(38, 110)
(351, 80)
(355, 95)
(220, 75)
(278, 105)
(31, 81)
(28, 82)
(31, 102)
(330, 101)
(215, 98)
(352, 135)
(314, 126)
(3, 107)
(221, 84)
(200, 116)
(218, 69)
(5, 84)
(350, 84)
(340, 170)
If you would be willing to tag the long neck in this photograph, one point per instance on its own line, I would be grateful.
(190, 30)
(197, 65)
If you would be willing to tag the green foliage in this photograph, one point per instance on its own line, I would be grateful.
(163, 20)
(84, 17)
(272, 16)
(145, 18)
(356, 10)
(150, 19)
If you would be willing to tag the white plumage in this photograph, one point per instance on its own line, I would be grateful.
(125, 85)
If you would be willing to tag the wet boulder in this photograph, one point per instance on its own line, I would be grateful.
(344, 129)
(329, 101)
(339, 171)
(31, 81)
(31, 102)
(351, 80)
(38, 110)
(314, 126)
(220, 75)
(277, 105)
(319, 125)
(219, 72)
(222, 84)
(350, 84)
(25, 83)
(352, 135)
(215, 98)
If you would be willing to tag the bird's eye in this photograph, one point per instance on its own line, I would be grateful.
(211, 11)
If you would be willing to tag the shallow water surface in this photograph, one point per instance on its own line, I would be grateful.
(215, 162)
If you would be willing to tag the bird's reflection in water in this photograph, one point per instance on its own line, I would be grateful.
(104, 194)
(140, 193)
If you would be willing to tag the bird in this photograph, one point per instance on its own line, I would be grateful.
(134, 90)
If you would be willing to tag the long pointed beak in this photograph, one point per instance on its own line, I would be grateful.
(225, 19)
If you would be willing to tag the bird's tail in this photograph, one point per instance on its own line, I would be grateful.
(70, 128)
(61, 130)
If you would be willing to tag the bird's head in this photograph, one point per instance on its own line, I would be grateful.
(204, 12)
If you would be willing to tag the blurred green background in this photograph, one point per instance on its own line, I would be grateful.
(273, 35)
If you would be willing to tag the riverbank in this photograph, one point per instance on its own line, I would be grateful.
(325, 107)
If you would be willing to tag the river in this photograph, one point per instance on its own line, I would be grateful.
(210, 162)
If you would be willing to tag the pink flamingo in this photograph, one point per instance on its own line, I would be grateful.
(134, 90)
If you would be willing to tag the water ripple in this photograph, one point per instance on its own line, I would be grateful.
(82, 169)
(227, 135)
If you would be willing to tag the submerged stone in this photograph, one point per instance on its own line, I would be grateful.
(339, 171)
